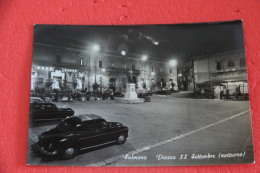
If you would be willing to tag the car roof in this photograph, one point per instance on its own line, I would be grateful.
(88, 117)
(42, 103)
(85, 118)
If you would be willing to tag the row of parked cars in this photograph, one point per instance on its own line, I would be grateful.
(73, 133)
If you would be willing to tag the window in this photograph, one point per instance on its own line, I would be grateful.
(142, 67)
(231, 64)
(219, 65)
(242, 62)
(100, 64)
(112, 64)
(152, 68)
(161, 69)
(133, 67)
(170, 70)
(58, 59)
(124, 65)
(81, 62)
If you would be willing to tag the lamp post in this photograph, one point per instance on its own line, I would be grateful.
(144, 58)
(94, 49)
(173, 63)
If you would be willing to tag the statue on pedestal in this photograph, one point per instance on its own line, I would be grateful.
(130, 77)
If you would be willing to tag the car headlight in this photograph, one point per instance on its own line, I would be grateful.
(50, 145)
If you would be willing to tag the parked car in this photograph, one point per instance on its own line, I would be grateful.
(119, 94)
(163, 92)
(145, 96)
(36, 100)
(78, 133)
(48, 111)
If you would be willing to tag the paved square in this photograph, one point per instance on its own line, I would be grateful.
(163, 118)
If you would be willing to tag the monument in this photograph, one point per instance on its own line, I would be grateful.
(131, 95)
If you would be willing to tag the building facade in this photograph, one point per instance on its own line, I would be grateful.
(221, 72)
(185, 77)
(59, 67)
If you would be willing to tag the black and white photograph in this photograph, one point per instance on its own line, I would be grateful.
(139, 95)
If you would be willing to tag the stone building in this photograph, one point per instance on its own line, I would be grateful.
(60, 67)
(221, 72)
(185, 77)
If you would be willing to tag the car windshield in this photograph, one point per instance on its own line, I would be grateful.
(66, 125)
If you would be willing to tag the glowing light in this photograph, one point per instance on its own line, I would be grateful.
(144, 58)
(123, 52)
(38, 67)
(152, 73)
(180, 75)
(42, 68)
(96, 47)
(156, 43)
(173, 62)
(103, 70)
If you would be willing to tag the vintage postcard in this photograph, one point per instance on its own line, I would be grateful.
(140, 95)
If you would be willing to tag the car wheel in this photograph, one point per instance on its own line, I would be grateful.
(121, 138)
(69, 153)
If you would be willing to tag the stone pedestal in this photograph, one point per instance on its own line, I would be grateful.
(130, 95)
(130, 91)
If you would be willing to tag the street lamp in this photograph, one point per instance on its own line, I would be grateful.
(95, 47)
(173, 62)
(144, 57)
(123, 52)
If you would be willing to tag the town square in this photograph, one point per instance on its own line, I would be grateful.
(155, 95)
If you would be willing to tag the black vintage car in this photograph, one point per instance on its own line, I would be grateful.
(78, 133)
(145, 96)
(163, 92)
(48, 111)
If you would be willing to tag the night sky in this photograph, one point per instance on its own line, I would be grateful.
(158, 42)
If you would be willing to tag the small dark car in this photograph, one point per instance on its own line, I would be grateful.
(48, 111)
(78, 133)
(145, 96)
(163, 92)
(119, 94)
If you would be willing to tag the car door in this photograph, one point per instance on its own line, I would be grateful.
(103, 133)
(85, 136)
